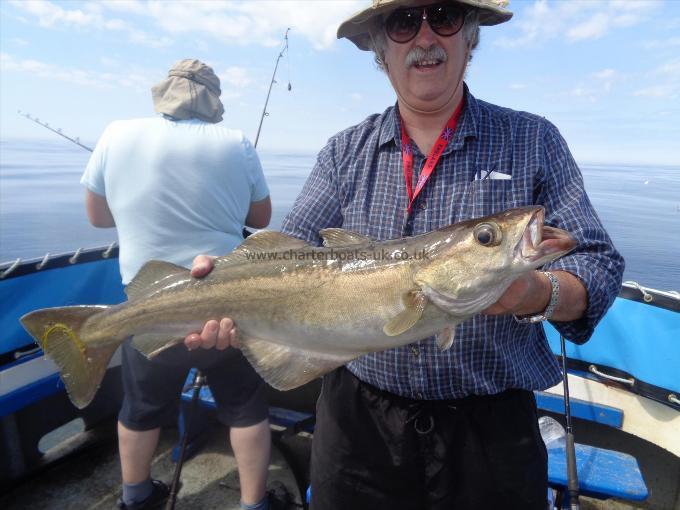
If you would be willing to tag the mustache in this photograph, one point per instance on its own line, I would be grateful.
(418, 54)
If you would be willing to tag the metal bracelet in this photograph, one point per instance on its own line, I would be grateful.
(554, 295)
(548, 312)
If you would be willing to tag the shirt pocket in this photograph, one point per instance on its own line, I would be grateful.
(490, 196)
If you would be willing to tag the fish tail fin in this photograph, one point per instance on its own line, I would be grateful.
(81, 366)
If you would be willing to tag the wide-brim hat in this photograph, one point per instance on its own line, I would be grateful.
(357, 28)
(191, 91)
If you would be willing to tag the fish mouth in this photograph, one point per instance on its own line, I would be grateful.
(540, 243)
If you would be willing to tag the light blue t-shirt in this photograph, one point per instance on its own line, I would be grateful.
(176, 189)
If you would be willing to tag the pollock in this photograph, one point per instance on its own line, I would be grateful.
(300, 310)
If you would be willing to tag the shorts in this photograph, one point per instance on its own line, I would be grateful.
(373, 449)
(152, 388)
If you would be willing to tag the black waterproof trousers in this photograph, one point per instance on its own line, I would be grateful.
(374, 450)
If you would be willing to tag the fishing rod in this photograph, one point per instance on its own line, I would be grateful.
(197, 384)
(572, 472)
(58, 130)
(264, 110)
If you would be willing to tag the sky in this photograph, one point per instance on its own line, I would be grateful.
(605, 72)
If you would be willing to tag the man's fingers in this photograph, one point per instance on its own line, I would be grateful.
(202, 265)
(209, 335)
(226, 335)
(219, 335)
(192, 341)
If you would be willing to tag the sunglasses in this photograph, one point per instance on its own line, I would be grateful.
(445, 19)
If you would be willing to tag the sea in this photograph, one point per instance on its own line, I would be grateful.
(42, 208)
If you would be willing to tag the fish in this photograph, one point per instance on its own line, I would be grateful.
(302, 310)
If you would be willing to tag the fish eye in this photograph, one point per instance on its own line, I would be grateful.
(488, 234)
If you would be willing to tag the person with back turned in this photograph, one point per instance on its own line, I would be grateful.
(416, 427)
(176, 185)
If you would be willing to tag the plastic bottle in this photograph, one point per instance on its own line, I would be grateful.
(552, 432)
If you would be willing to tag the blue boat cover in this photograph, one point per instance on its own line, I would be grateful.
(640, 339)
(78, 284)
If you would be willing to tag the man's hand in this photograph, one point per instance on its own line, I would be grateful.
(219, 335)
(528, 294)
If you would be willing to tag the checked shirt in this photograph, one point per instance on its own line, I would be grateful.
(497, 159)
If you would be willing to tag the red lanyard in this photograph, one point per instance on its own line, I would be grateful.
(432, 159)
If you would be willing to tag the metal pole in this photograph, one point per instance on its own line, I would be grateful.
(271, 84)
(199, 381)
(572, 472)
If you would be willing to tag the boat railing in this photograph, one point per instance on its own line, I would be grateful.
(19, 267)
(669, 299)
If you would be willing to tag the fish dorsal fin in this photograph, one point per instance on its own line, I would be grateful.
(341, 237)
(259, 242)
(152, 344)
(153, 277)
(285, 367)
(414, 304)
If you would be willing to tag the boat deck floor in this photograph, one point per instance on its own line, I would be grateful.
(91, 478)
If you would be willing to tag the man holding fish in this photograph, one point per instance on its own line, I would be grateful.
(447, 421)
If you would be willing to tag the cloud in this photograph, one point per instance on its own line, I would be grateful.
(593, 28)
(109, 62)
(656, 91)
(72, 75)
(51, 15)
(597, 85)
(656, 44)
(666, 78)
(576, 20)
(246, 22)
(126, 6)
(236, 77)
(261, 22)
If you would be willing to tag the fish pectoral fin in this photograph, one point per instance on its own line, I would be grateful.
(152, 344)
(414, 304)
(446, 336)
(153, 277)
(342, 237)
(285, 367)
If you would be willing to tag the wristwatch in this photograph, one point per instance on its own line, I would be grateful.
(547, 313)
